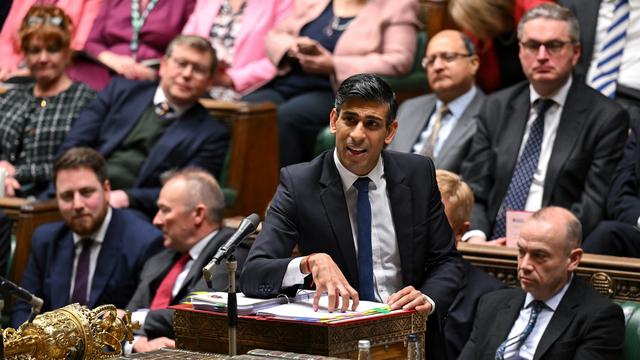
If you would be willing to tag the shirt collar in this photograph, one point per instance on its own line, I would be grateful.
(553, 301)
(99, 235)
(348, 178)
(559, 97)
(196, 249)
(159, 97)
(459, 104)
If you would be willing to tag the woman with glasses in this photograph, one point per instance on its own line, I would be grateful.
(320, 44)
(35, 117)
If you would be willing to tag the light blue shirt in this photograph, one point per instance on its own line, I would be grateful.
(448, 123)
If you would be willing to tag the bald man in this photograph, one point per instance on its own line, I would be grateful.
(440, 125)
(553, 315)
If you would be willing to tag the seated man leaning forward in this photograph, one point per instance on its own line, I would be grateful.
(144, 128)
(369, 223)
(553, 315)
(93, 257)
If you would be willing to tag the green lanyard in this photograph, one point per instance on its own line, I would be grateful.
(137, 22)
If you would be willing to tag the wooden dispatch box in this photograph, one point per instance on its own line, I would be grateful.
(197, 330)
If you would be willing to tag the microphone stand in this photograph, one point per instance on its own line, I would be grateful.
(232, 305)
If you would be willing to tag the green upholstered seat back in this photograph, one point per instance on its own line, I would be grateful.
(632, 329)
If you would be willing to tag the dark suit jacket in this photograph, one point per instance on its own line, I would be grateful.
(587, 13)
(128, 242)
(624, 197)
(588, 145)
(413, 117)
(310, 210)
(586, 325)
(157, 267)
(194, 139)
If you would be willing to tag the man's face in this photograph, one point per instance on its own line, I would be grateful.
(547, 67)
(174, 217)
(46, 62)
(450, 70)
(544, 259)
(361, 133)
(82, 199)
(185, 75)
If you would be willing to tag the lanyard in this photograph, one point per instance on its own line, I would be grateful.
(137, 21)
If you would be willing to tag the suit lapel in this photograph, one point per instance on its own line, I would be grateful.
(401, 211)
(566, 136)
(335, 206)
(430, 107)
(108, 258)
(561, 318)
(61, 272)
(195, 272)
(465, 123)
(505, 318)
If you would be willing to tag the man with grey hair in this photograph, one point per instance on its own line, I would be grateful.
(553, 315)
(143, 128)
(548, 141)
(190, 213)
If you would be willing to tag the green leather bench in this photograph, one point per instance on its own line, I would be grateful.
(632, 330)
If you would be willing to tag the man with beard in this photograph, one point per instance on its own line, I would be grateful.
(95, 255)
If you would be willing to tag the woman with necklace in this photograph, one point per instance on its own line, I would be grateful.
(128, 38)
(323, 42)
(34, 118)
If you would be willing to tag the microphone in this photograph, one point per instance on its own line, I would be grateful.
(22, 294)
(246, 228)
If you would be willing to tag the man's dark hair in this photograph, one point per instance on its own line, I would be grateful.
(82, 157)
(367, 87)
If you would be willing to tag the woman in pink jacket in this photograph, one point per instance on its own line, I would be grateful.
(237, 30)
(321, 43)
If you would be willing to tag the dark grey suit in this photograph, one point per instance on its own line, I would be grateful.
(413, 117)
(585, 325)
(588, 145)
(587, 13)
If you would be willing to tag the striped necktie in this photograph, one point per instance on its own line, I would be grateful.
(605, 76)
(518, 340)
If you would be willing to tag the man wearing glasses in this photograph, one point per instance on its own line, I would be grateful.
(146, 128)
(549, 141)
(441, 125)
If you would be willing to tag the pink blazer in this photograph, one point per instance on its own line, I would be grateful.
(380, 40)
(81, 12)
(250, 68)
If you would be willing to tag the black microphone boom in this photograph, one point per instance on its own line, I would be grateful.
(246, 228)
(22, 294)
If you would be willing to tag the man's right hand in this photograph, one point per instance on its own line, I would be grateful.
(328, 278)
(143, 344)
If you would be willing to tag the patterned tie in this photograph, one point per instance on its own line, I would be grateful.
(522, 177)
(518, 340)
(605, 76)
(82, 273)
(430, 143)
(164, 110)
(365, 261)
(163, 296)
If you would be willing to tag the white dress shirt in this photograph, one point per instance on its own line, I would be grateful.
(98, 239)
(528, 348)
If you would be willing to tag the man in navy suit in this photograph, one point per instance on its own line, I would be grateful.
(96, 254)
(146, 128)
(362, 218)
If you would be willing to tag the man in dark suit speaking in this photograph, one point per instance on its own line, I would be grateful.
(369, 223)
(549, 141)
(554, 315)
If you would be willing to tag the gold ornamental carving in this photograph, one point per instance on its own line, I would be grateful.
(71, 332)
(603, 283)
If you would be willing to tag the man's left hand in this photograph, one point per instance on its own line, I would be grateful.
(119, 199)
(408, 299)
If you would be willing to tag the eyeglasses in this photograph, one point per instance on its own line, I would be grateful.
(447, 57)
(198, 70)
(35, 20)
(553, 47)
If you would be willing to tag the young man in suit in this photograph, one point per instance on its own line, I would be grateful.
(363, 218)
(441, 125)
(146, 128)
(191, 207)
(553, 315)
(96, 254)
(549, 141)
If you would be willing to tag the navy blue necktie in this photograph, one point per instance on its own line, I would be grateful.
(81, 282)
(522, 177)
(365, 261)
(518, 340)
